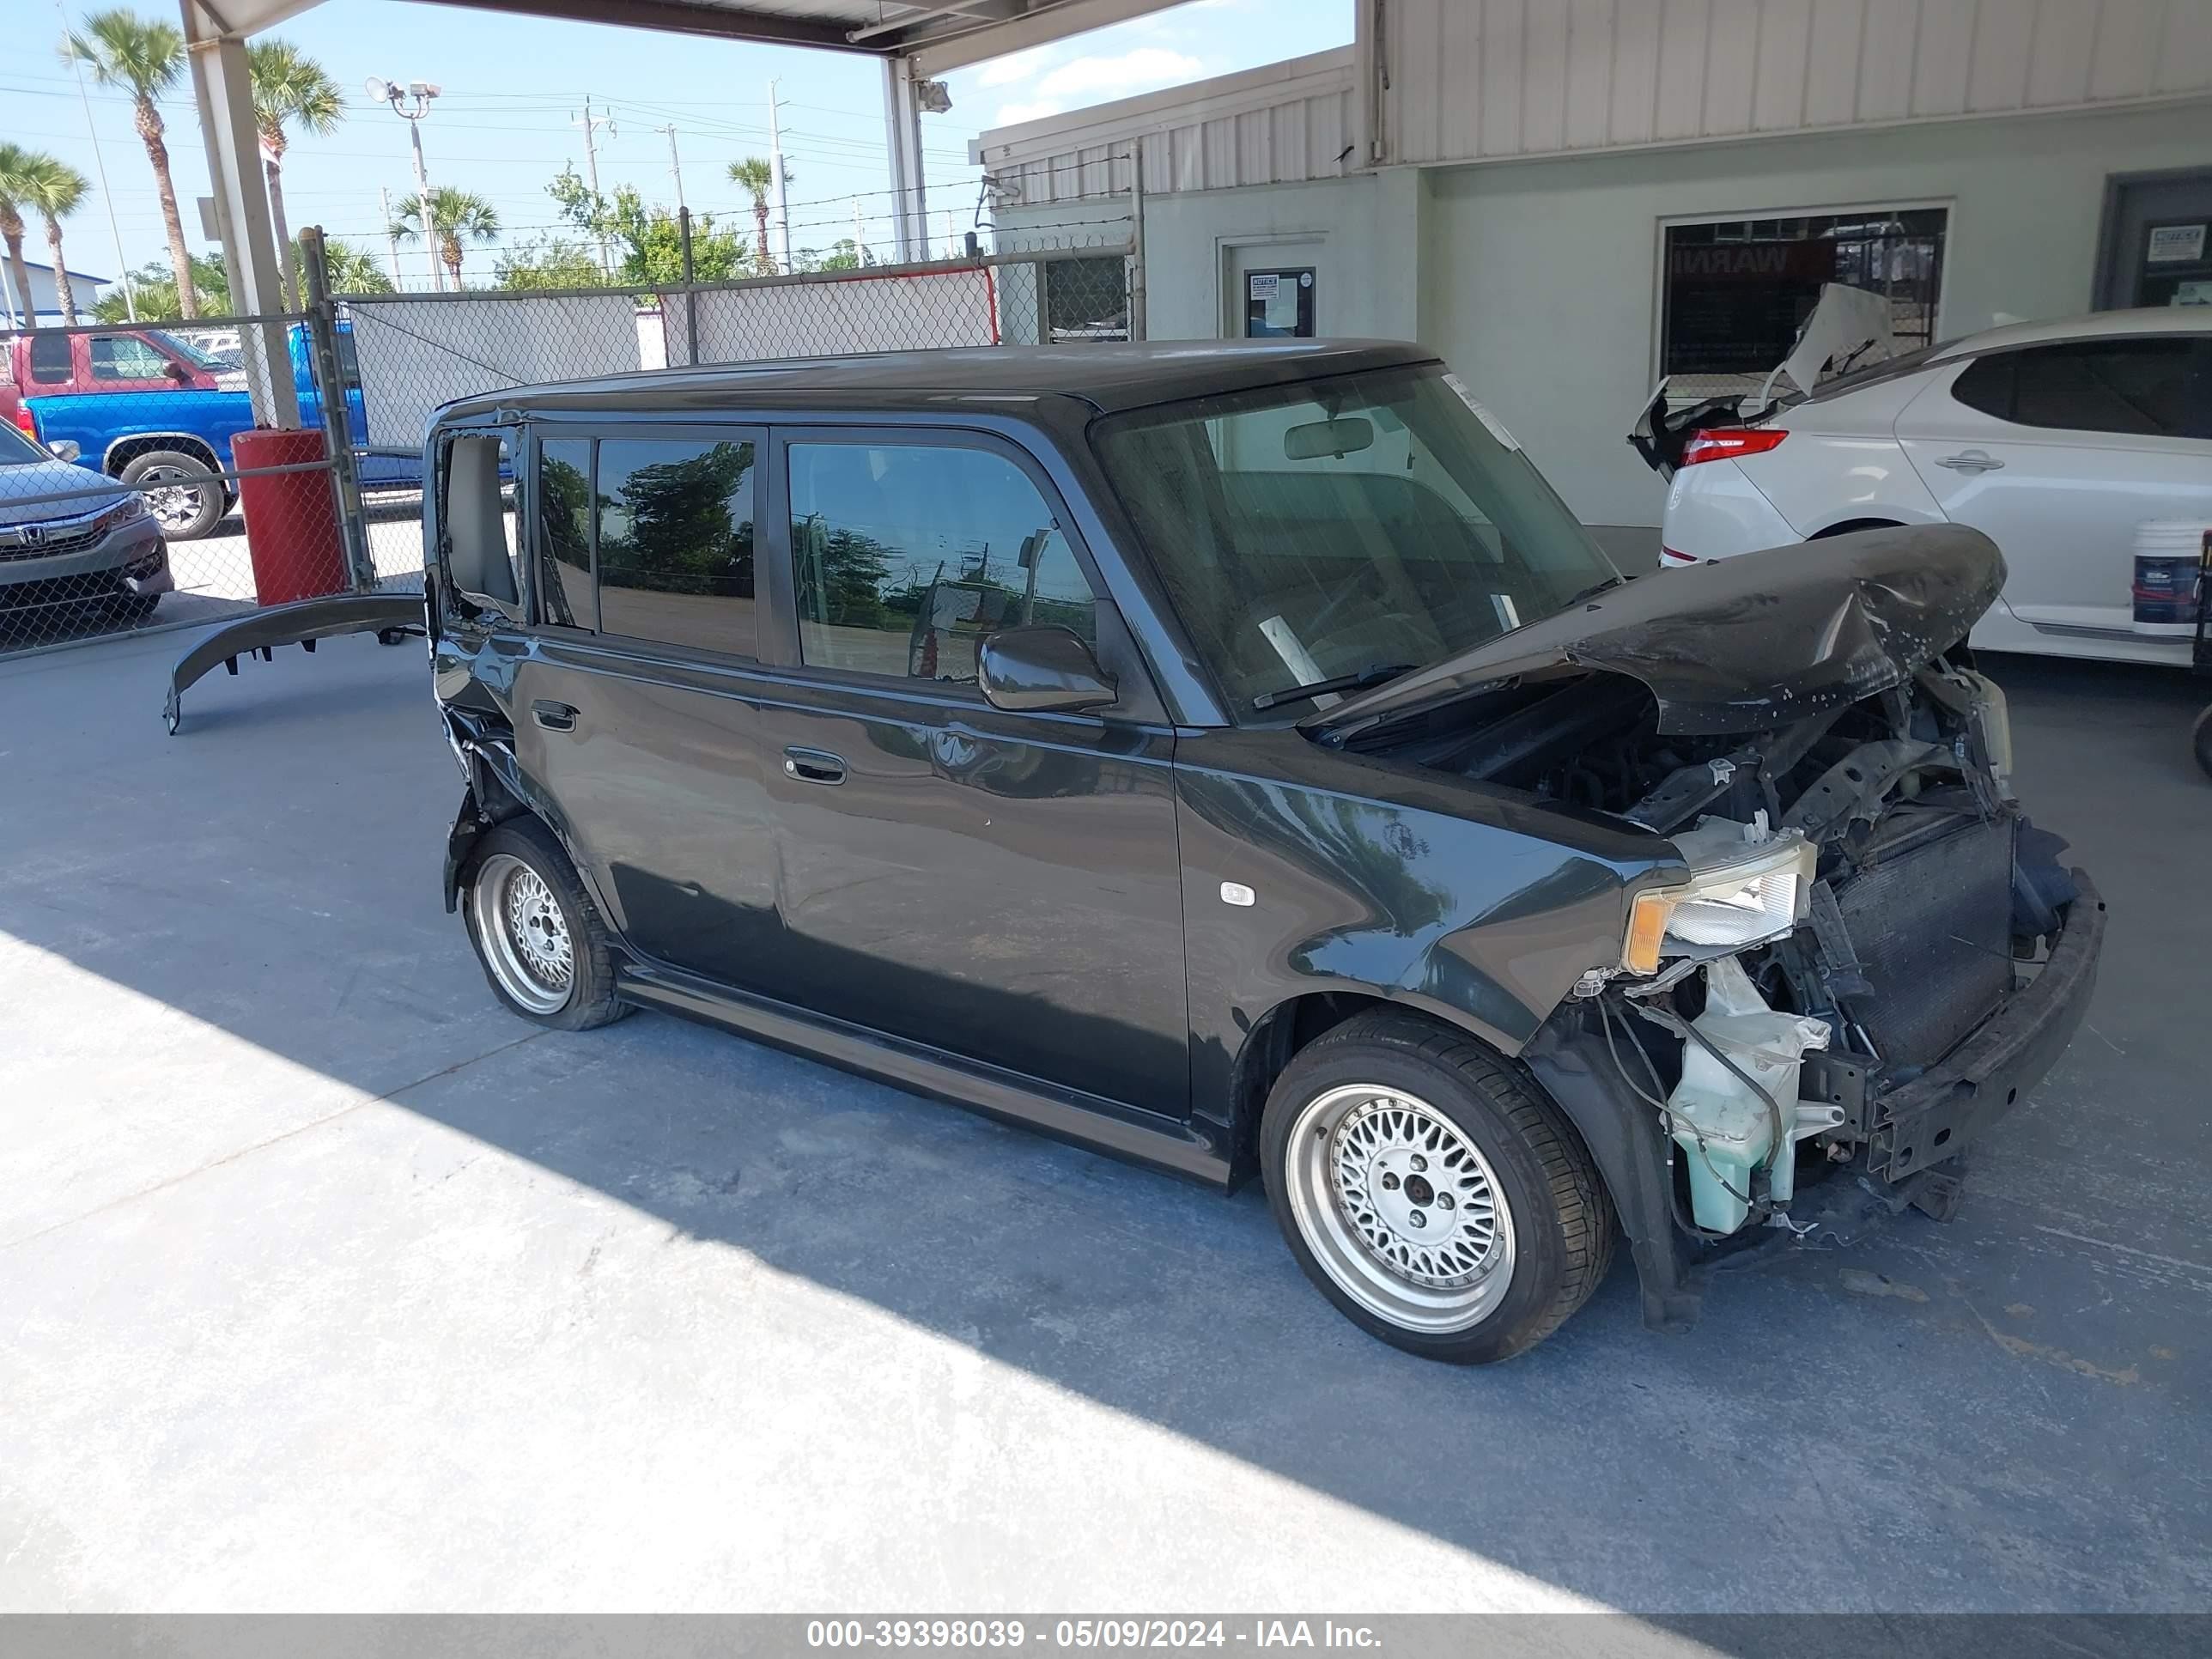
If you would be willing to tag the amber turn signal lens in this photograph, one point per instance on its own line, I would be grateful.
(1647, 926)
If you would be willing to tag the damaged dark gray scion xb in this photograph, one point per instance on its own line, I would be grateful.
(1238, 759)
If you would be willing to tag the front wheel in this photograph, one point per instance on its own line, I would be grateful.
(535, 930)
(1432, 1191)
(182, 492)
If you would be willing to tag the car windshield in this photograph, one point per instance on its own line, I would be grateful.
(16, 450)
(1340, 529)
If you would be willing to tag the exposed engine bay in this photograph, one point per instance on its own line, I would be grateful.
(1864, 893)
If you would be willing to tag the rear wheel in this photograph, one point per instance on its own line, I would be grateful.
(182, 492)
(536, 932)
(1432, 1191)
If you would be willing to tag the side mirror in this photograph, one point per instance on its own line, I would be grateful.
(1040, 670)
(64, 449)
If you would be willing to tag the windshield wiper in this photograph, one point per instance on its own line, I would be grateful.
(1592, 591)
(1374, 674)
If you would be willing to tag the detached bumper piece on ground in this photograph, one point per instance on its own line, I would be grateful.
(391, 616)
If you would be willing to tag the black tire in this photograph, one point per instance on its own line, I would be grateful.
(200, 511)
(2201, 738)
(1562, 1220)
(590, 997)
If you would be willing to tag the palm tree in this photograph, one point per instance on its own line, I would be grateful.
(18, 169)
(757, 179)
(352, 270)
(289, 87)
(454, 214)
(143, 57)
(57, 189)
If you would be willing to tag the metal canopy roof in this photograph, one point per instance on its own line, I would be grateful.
(941, 34)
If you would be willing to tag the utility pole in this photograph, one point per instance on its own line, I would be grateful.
(99, 167)
(391, 236)
(775, 165)
(859, 247)
(591, 123)
(675, 165)
(420, 92)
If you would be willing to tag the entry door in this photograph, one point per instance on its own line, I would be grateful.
(2158, 243)
(1270, 291)
(1004, 887)
(637, 707)
(2057, 452)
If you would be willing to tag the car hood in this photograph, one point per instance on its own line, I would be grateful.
(45, 478)
(1737, 645)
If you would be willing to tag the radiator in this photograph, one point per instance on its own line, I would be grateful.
(1930, 919)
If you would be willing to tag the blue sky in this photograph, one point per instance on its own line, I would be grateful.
(512, 87)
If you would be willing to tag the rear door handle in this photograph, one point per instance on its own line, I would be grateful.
(813, 766)
(554, 716)
(1969, 461)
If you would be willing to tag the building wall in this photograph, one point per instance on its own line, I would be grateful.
(1539, 279)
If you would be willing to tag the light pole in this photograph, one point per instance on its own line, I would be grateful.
(421, 93)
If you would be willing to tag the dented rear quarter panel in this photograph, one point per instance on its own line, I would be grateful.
(1371, 876)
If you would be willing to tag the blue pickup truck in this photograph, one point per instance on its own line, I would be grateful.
(150, 409)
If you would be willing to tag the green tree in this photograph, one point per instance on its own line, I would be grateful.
(18, 167)
(651, 239)
(156, 292)
(457, 217)
(56, 190)
(757, 177)
(547, 262)
(143, 57)
(352, 269)
(290, 89)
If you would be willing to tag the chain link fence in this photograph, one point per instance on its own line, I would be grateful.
(131, 475)
(135, 491)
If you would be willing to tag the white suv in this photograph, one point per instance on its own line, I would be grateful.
(2057, 440)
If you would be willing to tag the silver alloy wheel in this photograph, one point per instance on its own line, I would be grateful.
(176, 507)
(1400, 1208)
(525, 933)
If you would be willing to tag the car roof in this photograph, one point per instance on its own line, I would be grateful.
(1108, 376)
(2097, 325)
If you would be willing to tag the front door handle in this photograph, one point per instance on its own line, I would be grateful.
(1969, 461)
(813, 766)
(554, 716)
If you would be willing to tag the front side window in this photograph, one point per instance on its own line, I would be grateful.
(1349, 526)
(50, 359)
(906, 555)
(675, 541)
(126, 357)
(2144, 388)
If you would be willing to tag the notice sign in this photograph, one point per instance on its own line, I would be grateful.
(2169, 243)
(1278, 304)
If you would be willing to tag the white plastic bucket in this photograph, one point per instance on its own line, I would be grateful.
(2169, 555)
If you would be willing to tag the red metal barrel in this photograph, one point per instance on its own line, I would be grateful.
(291, 518)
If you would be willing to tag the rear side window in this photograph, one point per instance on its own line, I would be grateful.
(907, 554)
(564, 532)
(126, 357)
(50, 358)
(2144, 388)
(675, 541)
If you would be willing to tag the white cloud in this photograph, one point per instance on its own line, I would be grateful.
(1012, 115)
(1020, 66)
(1144, 69)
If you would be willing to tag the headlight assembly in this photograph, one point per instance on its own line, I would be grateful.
(1746, 886)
